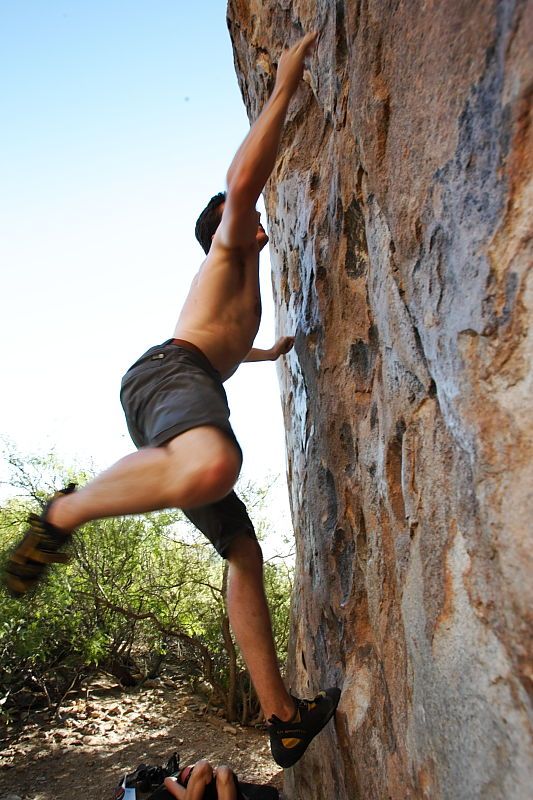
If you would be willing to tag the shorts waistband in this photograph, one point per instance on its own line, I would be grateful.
(193, 349)
(188, 346)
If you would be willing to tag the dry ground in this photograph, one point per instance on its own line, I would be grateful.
(106, 730)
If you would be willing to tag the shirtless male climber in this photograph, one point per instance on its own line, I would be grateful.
(178, 417)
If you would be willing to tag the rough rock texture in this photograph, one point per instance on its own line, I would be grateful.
(400, 250)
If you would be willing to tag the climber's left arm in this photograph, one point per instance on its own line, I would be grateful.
(282, 346)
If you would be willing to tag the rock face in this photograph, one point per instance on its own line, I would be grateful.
(401, 260)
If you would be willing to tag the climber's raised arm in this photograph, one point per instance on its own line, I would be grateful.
(255, 159)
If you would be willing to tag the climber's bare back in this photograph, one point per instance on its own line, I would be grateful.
(222, 312)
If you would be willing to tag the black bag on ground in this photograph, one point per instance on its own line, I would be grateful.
(144, 779)
(252, 791)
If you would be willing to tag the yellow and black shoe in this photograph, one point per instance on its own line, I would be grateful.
(289, 740)
(40, 547)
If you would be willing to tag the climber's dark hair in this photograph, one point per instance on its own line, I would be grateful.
(209, 220)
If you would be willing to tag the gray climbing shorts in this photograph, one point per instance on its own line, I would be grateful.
(169, 390)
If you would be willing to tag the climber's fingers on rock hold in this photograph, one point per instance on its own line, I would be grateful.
(291, 63)
(302, 47)
(306, 41)
(286, 344)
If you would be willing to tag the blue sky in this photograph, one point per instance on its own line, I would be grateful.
(118, 121)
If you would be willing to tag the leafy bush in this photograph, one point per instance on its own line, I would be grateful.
(137, 590)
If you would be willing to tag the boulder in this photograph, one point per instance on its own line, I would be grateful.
(399, 217)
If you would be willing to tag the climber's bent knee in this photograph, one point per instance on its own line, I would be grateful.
(203, 466)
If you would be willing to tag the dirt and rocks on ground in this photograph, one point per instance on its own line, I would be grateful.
(106, 730)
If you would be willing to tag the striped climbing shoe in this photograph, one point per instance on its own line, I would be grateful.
(40, 547)
(289, 740)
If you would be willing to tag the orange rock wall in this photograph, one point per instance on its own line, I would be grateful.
(401, 253)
